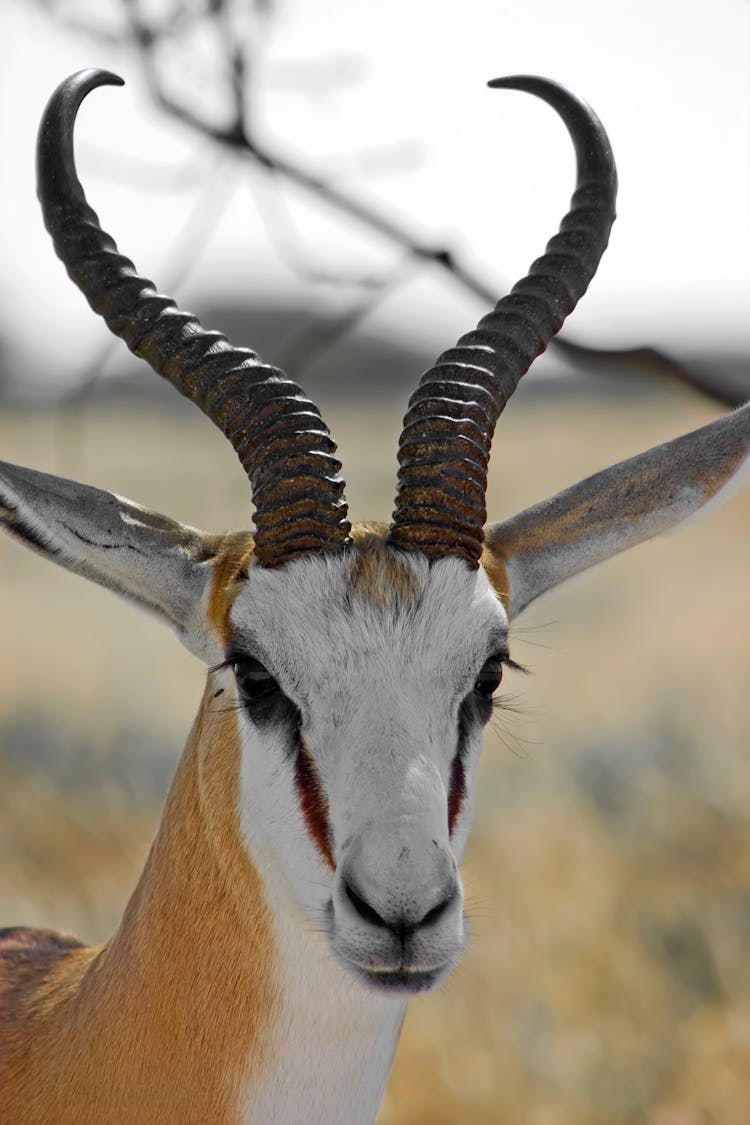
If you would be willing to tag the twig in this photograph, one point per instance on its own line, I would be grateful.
(113, 165)
(311, 344)
(289, 244)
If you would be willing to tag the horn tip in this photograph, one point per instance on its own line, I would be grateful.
(505, 81)
(92, 77)
(530, 83)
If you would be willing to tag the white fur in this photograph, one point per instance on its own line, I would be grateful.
(332, 1044)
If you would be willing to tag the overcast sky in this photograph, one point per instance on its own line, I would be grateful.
(490, 172)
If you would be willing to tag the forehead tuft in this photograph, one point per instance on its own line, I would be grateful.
(380, 574)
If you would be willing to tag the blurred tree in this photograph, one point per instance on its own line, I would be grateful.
(201, 59)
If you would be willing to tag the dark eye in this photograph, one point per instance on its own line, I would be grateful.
(254, 680)
(489, 677)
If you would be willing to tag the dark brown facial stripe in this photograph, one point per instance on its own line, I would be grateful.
(313, 804)
(457, 791)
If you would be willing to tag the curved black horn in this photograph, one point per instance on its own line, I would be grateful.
(283, 444)
(445, 443)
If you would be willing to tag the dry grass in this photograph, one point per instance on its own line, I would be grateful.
(607, 978)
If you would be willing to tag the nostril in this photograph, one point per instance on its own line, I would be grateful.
(363, 907)
(436, 913)
(402, 926)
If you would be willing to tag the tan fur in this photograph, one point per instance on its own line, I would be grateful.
(378, 573)
(233, 556)
(131, 1034)
(494, 567)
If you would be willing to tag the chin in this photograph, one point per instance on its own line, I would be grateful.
(401, 982)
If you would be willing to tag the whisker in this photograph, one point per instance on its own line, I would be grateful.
(521, 636)
(512, 703)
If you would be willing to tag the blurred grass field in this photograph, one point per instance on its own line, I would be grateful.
(607, 979)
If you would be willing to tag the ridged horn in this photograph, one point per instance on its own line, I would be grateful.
(282, 442)
(445, 443)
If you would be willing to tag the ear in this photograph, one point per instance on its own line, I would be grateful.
(159, 564)
(613, 510)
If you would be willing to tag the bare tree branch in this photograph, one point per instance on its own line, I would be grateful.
(150, 175)
(289, 243)
(310, 345)
(652, 362)
(238, 136)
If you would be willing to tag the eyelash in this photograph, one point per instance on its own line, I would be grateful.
(503, 660)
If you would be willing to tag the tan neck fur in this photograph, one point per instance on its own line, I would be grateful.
(167, 1021)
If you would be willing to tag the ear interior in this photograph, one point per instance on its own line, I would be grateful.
(615, 509)
(162, 566)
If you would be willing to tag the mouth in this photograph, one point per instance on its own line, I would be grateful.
(400, 982)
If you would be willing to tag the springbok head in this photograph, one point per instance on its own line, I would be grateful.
(362, 658)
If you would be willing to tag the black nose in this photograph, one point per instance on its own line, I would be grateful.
(400, 924)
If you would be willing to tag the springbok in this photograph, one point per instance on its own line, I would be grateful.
(304, 880)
